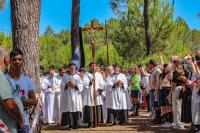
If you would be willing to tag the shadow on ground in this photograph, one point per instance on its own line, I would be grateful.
(140, 124)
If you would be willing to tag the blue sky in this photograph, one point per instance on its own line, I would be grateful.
(58, 14)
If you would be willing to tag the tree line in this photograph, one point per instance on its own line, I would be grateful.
(126, 36)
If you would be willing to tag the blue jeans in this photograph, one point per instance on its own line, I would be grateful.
(152, 100)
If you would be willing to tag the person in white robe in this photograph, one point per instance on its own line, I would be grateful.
(57, 97)
(195, 104)
(117, 103)
(88, 96)
(105, 112)
(50, 97)
(44, 85)
(107, 92)
(71, 100)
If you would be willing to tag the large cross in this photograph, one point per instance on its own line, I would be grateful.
(93, 29)
(93, 43)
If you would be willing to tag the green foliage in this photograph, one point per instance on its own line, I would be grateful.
(126, 37)
(53, 51)
(173, 37)
(2, 4)
(6, 41)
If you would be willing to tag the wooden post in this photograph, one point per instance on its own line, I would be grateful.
(107, 47)
(93, 43)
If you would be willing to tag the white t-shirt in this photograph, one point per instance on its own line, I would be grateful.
(24, 84)
(195, 96)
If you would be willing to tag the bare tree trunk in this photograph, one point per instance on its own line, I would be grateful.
(25, 18)
(146, 27)
(75, 25)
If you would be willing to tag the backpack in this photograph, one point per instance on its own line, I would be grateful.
(187, 69)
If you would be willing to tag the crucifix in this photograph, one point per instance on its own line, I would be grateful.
(93, 44)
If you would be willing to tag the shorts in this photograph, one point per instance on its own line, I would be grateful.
(134, 93)
(163, 101)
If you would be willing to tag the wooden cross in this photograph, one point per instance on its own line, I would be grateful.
(93, 43)
(93, 29)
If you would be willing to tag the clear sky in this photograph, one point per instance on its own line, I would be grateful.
(57, 14)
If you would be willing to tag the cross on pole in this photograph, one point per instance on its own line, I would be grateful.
(93, 43)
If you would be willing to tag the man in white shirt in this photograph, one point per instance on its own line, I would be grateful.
(44, 85)
(57, 96)
(52, 86)
(71, 100)
(88, 96)
(117, 103)
(22, 85)
(154, 87)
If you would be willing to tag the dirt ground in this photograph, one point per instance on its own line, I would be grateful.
(140, 124)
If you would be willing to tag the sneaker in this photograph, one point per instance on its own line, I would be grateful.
(178, 127)
(164, 125)
(151, 115)
(168, 125)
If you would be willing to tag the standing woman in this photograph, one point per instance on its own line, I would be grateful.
(177, 85)
(195, 103)
(144, 85)
(135, 88)
(165, 87)
(186, 92)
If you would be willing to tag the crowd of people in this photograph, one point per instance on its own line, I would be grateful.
(98, 95)
(169, 92)
(73, 97)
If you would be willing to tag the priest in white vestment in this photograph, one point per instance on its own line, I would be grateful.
(71, 100)
(57, 97)
(50, 97)
(117, 101)
(88, 96)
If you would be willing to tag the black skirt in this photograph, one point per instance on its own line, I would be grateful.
(117, 115)
(71, 118)
(186, 96)
(163, 101)
(88, 114)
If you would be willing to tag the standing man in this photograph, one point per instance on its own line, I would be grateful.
(154, 81)
(88, 95)
(44, 85)
(134, 81)
(110, 71)
(9, 106)
(52, 86)
(57, 96)
(117, 103)
(22, 85)
(71, 100)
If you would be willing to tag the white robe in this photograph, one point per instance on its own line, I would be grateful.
(49, 99)
(71, 100)
(57, 101)
(44, 85)
(88, 95)
(195, 104)
(117, 99)
(104, 98)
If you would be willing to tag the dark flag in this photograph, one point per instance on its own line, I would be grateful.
(78, 57)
